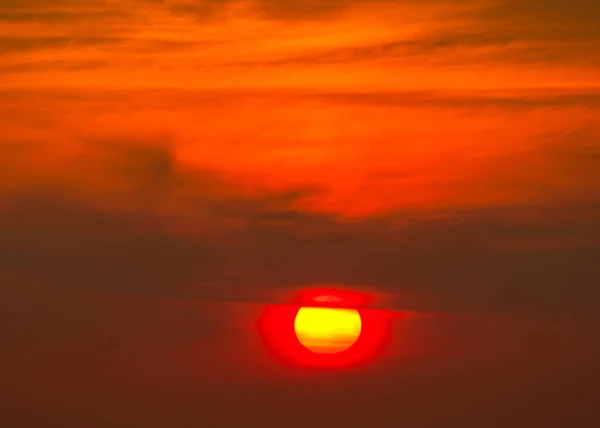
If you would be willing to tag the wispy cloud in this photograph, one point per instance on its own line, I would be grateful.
(258, 42)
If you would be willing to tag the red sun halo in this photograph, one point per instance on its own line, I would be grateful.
(276, 327)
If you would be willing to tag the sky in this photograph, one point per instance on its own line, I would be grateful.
(168, 168)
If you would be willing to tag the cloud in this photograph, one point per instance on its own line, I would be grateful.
(558, 166)
(53, 17)
(447, 49)
(510, 99)
(23, 44)
(71, 65)
(391, 157)
(553, 18)
(481, 37)
(490, 33)
(507, 99)
(477, 37)
(528, 260)
(404, 48)
(290, 10)
(576, 17)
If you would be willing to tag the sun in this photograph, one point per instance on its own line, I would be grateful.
(327, 330)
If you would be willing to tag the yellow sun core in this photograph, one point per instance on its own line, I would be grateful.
(327, 330)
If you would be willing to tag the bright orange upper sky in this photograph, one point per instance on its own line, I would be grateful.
(381, 105)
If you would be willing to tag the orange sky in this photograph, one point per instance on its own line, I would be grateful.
(381, 105)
